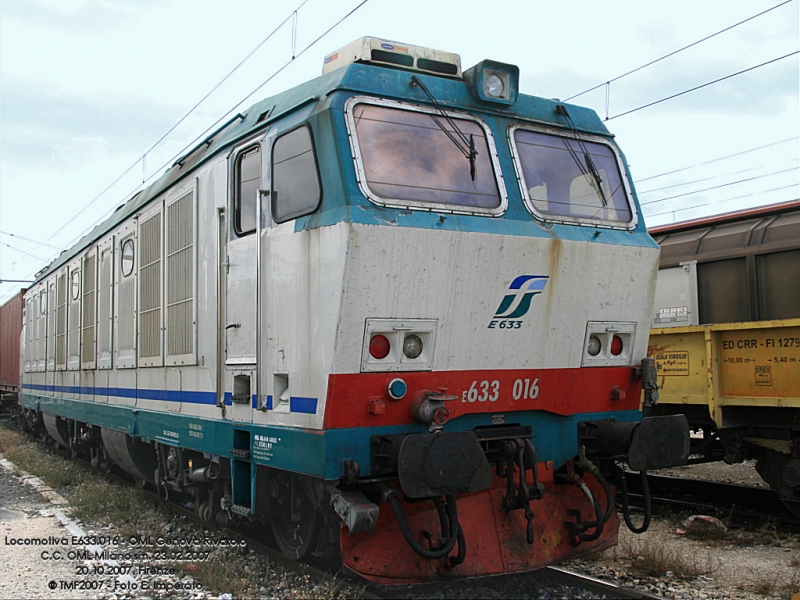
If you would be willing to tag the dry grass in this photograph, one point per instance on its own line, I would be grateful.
(225, 572)
(30, 456)
(130, 512)
(655, 558)
(240, 574)
(91, 497)
(772, 582)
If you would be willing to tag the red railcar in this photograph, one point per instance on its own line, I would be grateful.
(10, 330)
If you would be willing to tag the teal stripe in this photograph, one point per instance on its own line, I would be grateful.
(319, 453)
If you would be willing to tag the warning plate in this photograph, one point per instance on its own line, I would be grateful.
(764, 375)
(675, 362)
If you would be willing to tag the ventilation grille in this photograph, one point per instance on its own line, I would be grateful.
(51, 327)
(61, 322)
(150, 288)
(74, 321)
(437, 66)
(126, 322)
(104, 297)
(41, 329)
(392, 57)
(89, 316)
(180, 276)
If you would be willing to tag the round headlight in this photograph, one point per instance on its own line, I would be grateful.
(593, 348)
(412, 346)
(494, 86)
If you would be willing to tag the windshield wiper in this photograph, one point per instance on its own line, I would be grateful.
(562, 110)
(465, 145)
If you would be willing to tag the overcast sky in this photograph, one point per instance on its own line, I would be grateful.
(87, 87)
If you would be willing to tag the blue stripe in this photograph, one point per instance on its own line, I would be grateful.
(303, 405)
(296, 404)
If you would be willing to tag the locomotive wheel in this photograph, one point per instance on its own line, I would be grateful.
(294, 538)
(203, 512)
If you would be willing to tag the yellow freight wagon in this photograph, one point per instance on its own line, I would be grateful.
(726, 338)
(729, 368)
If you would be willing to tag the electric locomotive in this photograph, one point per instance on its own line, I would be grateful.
(398, 312)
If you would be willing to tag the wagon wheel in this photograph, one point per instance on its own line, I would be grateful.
(771, 466)
(294, 537)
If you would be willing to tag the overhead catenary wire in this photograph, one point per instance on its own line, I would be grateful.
(698, 87)
(713, 160)
(674, 52)
(702, 179)
(715, 187)
(220, 120)
(142, 158)
(21, 251)
(716, 202)
(19, 237)
(205, 133)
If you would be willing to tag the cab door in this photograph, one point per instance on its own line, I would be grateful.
(240, 232)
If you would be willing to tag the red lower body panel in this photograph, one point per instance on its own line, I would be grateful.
(496, 541)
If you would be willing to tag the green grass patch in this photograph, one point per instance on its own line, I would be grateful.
(92, 498)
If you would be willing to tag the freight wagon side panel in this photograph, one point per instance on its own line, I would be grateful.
(729, 365)
(10, 330)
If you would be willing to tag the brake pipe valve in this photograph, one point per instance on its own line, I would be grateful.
(649, 384)
(429, 408)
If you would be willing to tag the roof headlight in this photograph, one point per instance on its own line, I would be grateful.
(412, 346)
(493, 81)
(493, 85)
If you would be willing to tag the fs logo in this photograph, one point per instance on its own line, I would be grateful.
(518, 302)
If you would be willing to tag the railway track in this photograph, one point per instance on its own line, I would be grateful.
(546, 582)
(741, 502)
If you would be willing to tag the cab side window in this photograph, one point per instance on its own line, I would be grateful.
(248, 181)
(296, 188)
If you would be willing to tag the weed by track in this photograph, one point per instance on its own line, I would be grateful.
(130, 512)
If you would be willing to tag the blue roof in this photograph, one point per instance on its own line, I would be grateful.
(354, 78)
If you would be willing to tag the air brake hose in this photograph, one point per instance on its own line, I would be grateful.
(443, 519)
(462, 550)
(452, 515)
(599, 524)
(588, 465)
(626, 512)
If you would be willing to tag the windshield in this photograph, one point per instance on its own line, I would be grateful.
(409, 158)
(571, 180)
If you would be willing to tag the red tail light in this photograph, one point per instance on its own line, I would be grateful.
(616, 345)
(379, 346)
